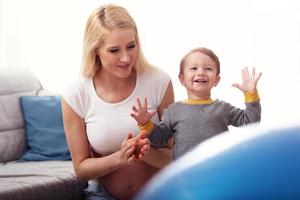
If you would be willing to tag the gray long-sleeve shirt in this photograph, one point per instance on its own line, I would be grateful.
(191, 124)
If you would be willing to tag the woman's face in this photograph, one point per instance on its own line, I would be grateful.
(118, 52)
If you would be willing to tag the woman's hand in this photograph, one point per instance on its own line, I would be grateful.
(142, 145)
(134, 148)
(128, 148)
(249, 80)
(140, 113)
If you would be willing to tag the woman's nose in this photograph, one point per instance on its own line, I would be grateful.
(124, 57)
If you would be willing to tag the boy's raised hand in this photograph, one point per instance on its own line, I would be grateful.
(249, 80)
(140, 113)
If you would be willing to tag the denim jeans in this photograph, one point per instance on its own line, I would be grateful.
(97, 192)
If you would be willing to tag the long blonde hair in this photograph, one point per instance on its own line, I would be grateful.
(99, 24)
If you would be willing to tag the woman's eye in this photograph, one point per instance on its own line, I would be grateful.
(131, 46)
(113, 50)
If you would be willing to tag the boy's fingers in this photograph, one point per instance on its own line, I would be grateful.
(139, 103)
(129, 136)
(143, 141)
(134, 109)
(253, 72)
(258, 77)
(145, 149)
(237, 86)
(245, 72)
(134, 116)
(143, 134)
(145, 103)
(153, 113)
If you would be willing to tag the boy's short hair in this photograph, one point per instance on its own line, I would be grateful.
(207, 52)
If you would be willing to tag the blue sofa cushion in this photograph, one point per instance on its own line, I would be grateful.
(44, 128)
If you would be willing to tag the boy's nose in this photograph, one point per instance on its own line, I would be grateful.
(200, 71)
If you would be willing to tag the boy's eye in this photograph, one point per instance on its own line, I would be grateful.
(208, 68)
(193, 68)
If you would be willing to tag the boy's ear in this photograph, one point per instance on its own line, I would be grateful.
(217, 80)
(180, 76)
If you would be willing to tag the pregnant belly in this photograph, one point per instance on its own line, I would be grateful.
(125, 182)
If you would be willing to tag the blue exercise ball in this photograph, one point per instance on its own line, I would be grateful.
(250, 163)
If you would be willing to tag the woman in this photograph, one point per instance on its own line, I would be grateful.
(102, 137)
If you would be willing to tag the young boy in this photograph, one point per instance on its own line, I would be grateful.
(199, 117)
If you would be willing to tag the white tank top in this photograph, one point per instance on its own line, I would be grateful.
(107, 124)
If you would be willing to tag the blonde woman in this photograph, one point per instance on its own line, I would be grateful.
(102, 137)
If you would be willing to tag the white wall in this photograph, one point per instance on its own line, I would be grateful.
(46, 36)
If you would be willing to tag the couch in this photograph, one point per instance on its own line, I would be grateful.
(21, 180)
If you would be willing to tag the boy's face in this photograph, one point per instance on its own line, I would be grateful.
(199, 75)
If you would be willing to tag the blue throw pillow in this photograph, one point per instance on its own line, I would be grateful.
(44, 128)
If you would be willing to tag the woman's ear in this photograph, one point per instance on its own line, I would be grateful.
(98, 61)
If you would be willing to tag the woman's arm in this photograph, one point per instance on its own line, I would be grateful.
(85, 166)
(163, 156)
(167, 100)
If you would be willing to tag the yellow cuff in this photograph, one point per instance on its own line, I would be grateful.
(251, 97)
(147, 127)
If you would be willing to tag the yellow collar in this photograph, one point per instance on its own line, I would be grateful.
(198, 101)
